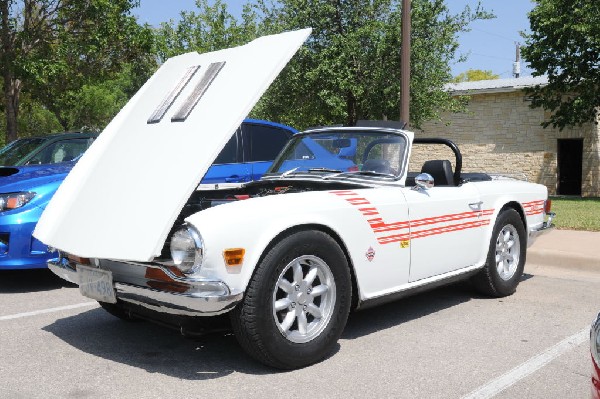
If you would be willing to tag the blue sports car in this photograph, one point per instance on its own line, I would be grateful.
(25, 190)
(34, 168)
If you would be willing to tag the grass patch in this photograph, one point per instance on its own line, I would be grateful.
(577, 213)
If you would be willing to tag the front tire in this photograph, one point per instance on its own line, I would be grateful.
(506, 256)
(297, 302)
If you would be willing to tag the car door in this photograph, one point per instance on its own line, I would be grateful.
(446, 229)
(228, 166)
(262, 143)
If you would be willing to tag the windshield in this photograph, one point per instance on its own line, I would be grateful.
(43, 150)
(13, 153)
(351, 151)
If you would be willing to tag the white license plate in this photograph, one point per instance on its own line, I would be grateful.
(96, 284)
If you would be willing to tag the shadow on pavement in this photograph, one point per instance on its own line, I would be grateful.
(525, 277)
(33, 280)
(157, 349)
(372, 320)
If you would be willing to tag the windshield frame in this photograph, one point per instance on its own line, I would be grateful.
(400, 178)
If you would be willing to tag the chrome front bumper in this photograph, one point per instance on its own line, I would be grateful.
(543, 229)
(193, 297)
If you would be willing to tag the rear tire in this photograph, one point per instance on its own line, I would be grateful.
(506, 256)
(296, 304)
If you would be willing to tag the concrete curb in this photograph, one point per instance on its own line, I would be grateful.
(563, 259)
(578, 250)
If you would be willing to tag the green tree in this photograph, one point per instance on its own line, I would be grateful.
(564, 44)
(94, 105)
(350, 67)
(52, 48)
(35, 119)
(472, 75)
(210, 28)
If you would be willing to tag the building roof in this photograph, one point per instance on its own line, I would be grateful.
(496, 85)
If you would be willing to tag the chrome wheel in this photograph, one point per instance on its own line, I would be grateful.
(508, 249)
(297, 302)
(304, 299)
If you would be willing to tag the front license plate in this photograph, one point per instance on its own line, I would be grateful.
(96, 284)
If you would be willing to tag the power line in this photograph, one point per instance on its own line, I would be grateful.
(491, 56)
(493, 34)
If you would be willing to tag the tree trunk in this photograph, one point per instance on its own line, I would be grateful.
(351, 109)
(12, 86)
(12, 92)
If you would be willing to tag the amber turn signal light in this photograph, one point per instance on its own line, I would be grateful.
(79, 260)
(548, 206)
(234, 256)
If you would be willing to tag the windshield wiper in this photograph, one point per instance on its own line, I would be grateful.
(324, 170)
(288, 172)
(360, 172)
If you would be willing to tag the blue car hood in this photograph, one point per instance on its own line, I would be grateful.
(23, 178)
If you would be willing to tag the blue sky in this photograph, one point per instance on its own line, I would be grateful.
(490, 44)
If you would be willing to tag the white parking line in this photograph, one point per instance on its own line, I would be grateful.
(499, 384)
(51, 310)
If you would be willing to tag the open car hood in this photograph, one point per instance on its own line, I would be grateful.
(125, 193)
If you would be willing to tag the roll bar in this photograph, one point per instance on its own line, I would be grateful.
(453, 147)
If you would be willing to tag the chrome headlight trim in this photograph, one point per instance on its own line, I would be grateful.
(191, 259)
(595, 340)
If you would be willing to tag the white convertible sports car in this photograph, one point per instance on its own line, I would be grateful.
(337, 224)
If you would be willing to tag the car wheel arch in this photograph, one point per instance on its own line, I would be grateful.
(500, 205)
(518, 208)
(333, 234)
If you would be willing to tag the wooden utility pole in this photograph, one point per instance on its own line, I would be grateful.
(517, 64)
(405, 64)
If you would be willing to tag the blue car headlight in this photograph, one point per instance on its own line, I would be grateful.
(15, 200)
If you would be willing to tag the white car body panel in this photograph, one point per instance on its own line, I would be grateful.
(364, 219)
(253, 224)
(434, 214)
(134, 163)
(527, 196)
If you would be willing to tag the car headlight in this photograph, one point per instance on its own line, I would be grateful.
(14, 200)
(595, 340)
(187, 249)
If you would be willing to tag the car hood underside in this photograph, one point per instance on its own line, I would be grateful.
(123, 196)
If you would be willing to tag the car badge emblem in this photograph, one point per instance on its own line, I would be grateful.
(370, 254)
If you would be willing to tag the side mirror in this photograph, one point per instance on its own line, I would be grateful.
(423, 181)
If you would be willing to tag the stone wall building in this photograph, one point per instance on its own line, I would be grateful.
(500, 133)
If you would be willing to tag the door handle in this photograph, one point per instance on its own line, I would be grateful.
(232, 179)
(476, 205)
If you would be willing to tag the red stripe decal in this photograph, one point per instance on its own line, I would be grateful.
(435, 231)
(534, 207)
(343, 192)
(358, 201)
(369, 211)
(379, 226)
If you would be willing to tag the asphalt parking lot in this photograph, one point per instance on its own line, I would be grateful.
(448, 343)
